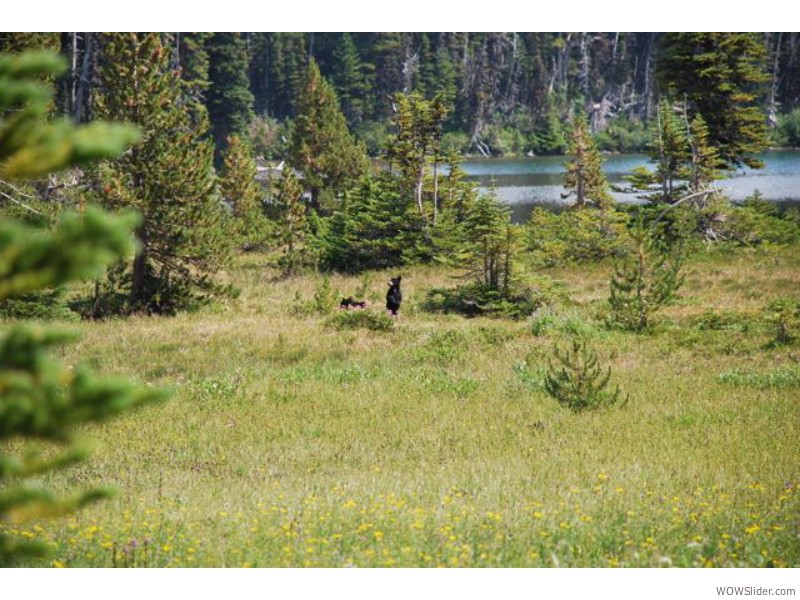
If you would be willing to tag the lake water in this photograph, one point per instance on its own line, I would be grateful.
(527, 182)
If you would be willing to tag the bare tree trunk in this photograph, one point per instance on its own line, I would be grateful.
(512, 71)
(73, 75)
(772, 107)
(435, 191)
(563, 53)
(139, 281)
(176, 55)
(420, 180)
(465, 58)
(584, 73)
(647, 77)
(81, 95)
(507, 265)
(267, 60)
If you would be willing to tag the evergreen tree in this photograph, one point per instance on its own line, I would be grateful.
(644, 279)
(40, 399)
(348, 78)
(549, 135)
(168, 177)
(722, 77)
(31, 147)
(375, 227)
(259, 72)
(577, 381)
(244, 195)
(458, 197)
(584, 177)
(686, 162)
(230, 102)
(321, 147)
(278, 67)
(387, 51)
(671, 153)
(490, 244)
(419, 125)
(705, 161)
(293, 224)
(15, 42)
(193, 63)
(426, 81)
(445, 75)
(458, 194)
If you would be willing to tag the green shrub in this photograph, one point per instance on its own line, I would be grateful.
(504, 141)
(443, 347)
(477, 299)
(725, 320)
(787, 133)
(374, 320)
(548, 137)
(779, 378)
(571, 325)
(646, 278)
(784, 316)
(756, 221)
(574, 235)
(577, 381)
(48, 305)
(455, 142)
(324, 296)
(624, 135)
(375, 135)
(324, 300)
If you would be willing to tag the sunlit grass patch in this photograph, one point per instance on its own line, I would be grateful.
(787, 377)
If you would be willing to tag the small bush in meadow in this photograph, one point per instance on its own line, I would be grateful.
(646, 278)
(778, 378)
(784, 315)
(577, 381)
(572, 325)
(476, 299)
(724, 320)
(324, 296)
(373, 320)
(48, 305)
(325, 299)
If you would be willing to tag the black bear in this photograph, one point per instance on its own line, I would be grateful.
(394, 296)
(350, 302)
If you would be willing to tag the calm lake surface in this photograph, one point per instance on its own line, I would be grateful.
(527, 182)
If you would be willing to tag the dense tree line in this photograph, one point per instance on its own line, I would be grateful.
(508, 92)
(207, 103)
(500, 85)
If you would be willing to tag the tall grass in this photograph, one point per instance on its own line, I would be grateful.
(292, 443)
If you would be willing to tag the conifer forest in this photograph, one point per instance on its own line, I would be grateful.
(400, 299)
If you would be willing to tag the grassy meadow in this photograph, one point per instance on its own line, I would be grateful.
(289, 442)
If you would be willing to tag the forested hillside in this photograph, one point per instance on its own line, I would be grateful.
(509, 92)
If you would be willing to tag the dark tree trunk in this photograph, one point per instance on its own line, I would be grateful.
(82, 92)
(139, 283)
